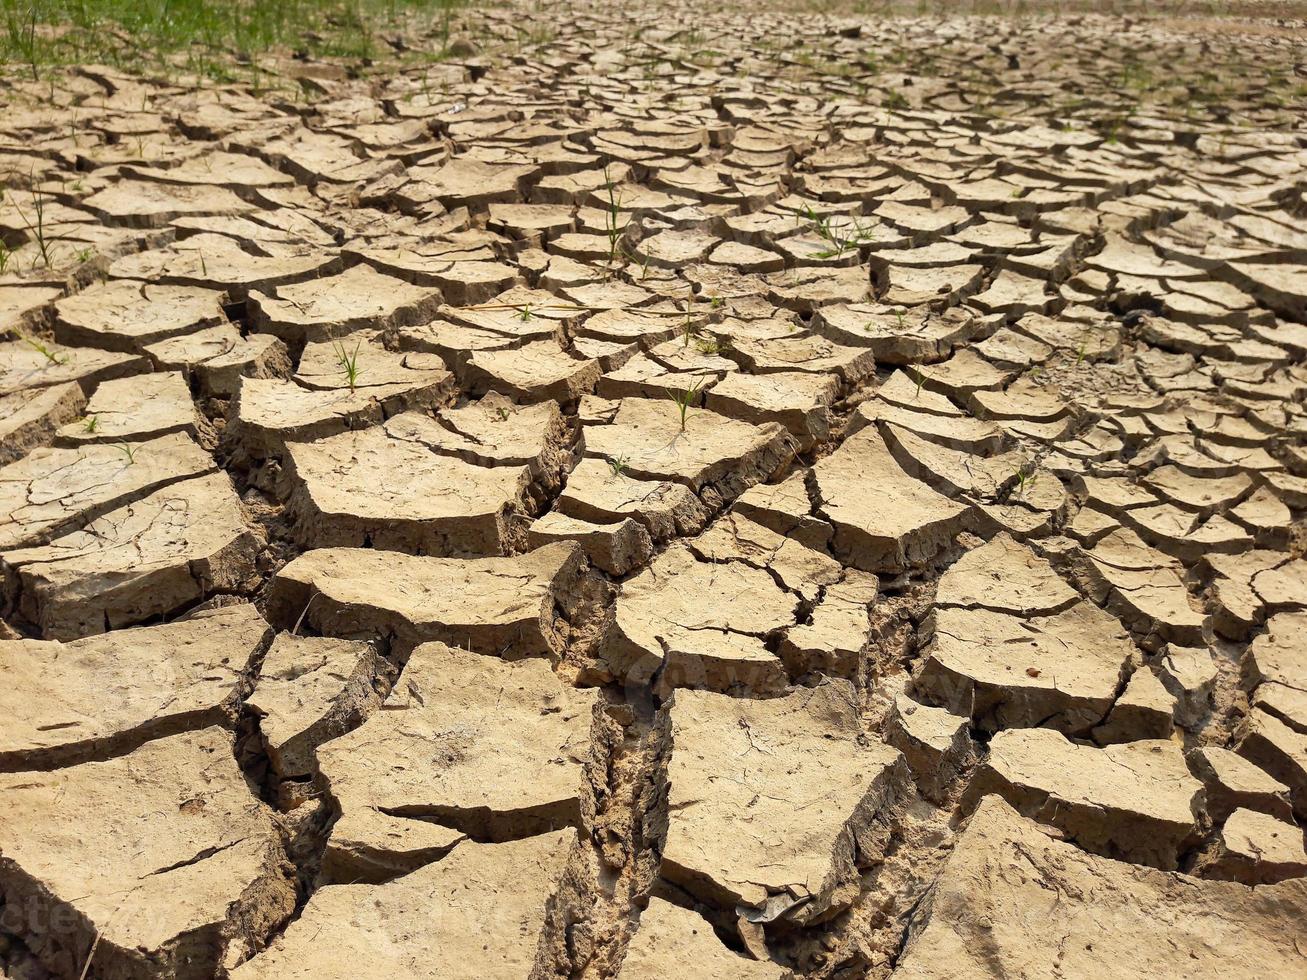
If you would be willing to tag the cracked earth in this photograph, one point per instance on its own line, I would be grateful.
(796, 496)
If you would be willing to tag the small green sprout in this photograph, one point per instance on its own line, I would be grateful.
(128, 450)
(709, 345)
(685, 398)
(921, 380)
(617, 464)
(37, 227)
(1025, 474)
(92, 423)
(44, 350)
(614, 228)
(349, 362)
(1083, 349)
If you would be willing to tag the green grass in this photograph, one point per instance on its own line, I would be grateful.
(218, 39)
(348, 361)
(686, 398)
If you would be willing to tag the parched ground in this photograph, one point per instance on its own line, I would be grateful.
(661, 492)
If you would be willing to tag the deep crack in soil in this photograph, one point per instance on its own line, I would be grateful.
(660, 491)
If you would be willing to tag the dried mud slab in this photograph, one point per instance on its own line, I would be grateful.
(501, 606)
(1061, 671)
(267, 412)
(485, 910)
(601, 491)
(370, 488)
(1279, 749)
(357, 299)
(155, 864)
(52, 491)
(312, 689)
(1274, 669)
(669, 937)
(215, 262)
(684, 622)
(30, 419)
(24, 369)
(466, 745)
(123, 688)
(216, 358)
(883, 519)
(129, 316)
(1136, 801)
(712, 455)
(757, 826)
(1004, 576)
(146, 558)
(131, 409)
(993, 910)
(1256, 849)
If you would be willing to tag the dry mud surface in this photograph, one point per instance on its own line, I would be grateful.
(797, 497)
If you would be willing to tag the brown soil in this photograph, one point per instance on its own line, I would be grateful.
(735, 493)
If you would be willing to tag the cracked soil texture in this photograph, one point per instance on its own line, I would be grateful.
(664, 490)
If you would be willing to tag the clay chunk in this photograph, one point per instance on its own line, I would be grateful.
(503, 606)
(492, 911)
(122, 688)
(1013, 902)
(161, 855)
(774, 804)
(1135, 801)
(465, 742)
(884, 520)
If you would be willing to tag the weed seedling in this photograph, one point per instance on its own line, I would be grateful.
(128, 450)
(840, 243)
(687, 328)
(349, 362)
(1025, 475)
(37, 228)
(900, 315)
(1083, 348)
(617, 464)
(921, 380)
(525, 314)
(612, 217)
(21, 33)
(92, 423)
(41, 348)
(685, 398)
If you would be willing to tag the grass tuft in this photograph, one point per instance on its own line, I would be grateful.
(349, 362)
(686, 398)
(219, 39)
